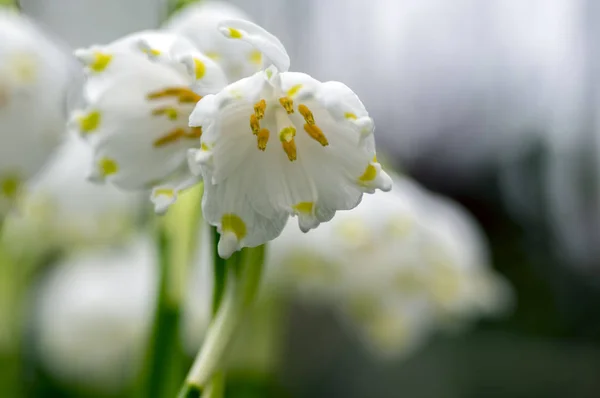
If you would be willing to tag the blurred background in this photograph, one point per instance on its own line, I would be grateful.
(492, 106)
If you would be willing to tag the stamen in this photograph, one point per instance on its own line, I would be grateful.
(316, 134)
(306, 114)
(171, 137)
(254, 124)
(183, 94)
(169, 111)
(259, 109)
(195, 132)
(288, 104)
(290, 149)
(262, 139)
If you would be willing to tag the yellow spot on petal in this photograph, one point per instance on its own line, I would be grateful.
(316, 134)
(183, 94)
(305, 207)
(288, 104)
(350, 115)
(233, 223)
(262, 139)
(234, 33)
(369, 175)
(255, 57)
(164, 192)
(9, 186)
(269, 73)
(169, 111)
(89, 122)
(100, 62)
(200, 68)
(259, 109)
(213, 55)
(306, 114)
(294, 90)
(108, 166)
(205, 147)
(152, 51)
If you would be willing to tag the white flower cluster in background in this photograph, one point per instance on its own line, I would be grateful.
(399, 267)
(33, 88)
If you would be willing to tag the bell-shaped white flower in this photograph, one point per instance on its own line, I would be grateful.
(280, 143)
(139, 93)
(33, 81)
(198, 22)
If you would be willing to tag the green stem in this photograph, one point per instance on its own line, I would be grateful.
(243, 272)
(219, 273)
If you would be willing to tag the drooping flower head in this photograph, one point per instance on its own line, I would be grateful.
(33, 81)
(139, 93)
(280, 143)
(198, 22)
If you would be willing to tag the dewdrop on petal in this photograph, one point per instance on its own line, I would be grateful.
(33, 85)
(280, 143)
(139, 93)
(198, 22)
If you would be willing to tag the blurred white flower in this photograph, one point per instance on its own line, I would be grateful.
(60, 207)
(93, 316)
(139, 93)
(33, 81)
(322, 158)
(199, 21)
(399, 267)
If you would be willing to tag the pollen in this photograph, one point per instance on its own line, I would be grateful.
(255, 57)
(369, 175)
(183, 94)
(234, 33)
(169, 111)
(233, 223)
(108, 167)
(254, 124)
(288, 104)
(9, 186)
(306, 114)
(169, 138)
(350, 116)
(287, 134)
(316, 133)
(200, 68)
(262, 138)
(259, 109)
(89, 122)
(100, 62)
(294, 90)
(305, 207)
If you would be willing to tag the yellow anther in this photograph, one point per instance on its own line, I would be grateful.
(287, 103)
(294, 90)
(234, 33)
(305, 207)
(108, 166)
(369, 175)
(101, 61)
(350, 115)
(316, 133)
(255, 57)
(259, 109)
(306, 114)
(200, 68)
(290, 149)
(9, 186)
(183, 94)
(262, 138)
(169, 111)
(89, 122)
(254, 124)
(169, 138)
(287, 134)
(233, 223)
(195, 132)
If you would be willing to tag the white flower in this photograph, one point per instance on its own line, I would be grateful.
(198, 22)
(139, 93)
(93, 316)
(33, 80)
(61, 208)
(280, 143)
